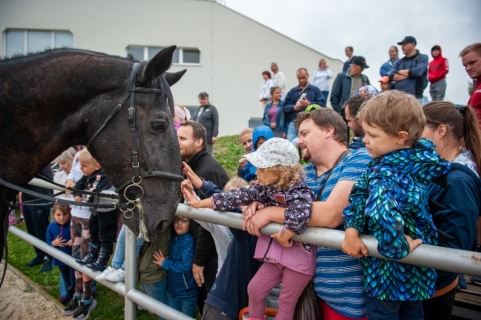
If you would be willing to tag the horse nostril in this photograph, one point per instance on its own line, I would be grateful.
(162, 226)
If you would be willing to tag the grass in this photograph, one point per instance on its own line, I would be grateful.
(110, 304)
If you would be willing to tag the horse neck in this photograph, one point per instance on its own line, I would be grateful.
(47, 102)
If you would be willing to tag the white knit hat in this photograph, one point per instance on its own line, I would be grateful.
(275, 151)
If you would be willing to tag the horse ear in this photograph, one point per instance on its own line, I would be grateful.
(172, 78)
(158, 65)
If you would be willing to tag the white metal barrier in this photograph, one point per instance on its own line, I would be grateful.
(457, 261)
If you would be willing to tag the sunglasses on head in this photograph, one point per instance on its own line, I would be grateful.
(183, 220)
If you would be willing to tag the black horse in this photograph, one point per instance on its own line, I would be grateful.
(55, 99)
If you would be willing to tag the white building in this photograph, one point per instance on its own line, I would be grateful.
(223, 51)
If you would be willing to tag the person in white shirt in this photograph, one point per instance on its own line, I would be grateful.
(265, 94)
(320, 78)
(279, 79)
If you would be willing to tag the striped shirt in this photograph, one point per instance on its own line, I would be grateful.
(339, 279)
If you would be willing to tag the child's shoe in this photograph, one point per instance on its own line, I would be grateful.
(83, 311)
(71, 307)
(64, 301)
(91, 254)
(102, 260)
(107, 271)
(116, 276)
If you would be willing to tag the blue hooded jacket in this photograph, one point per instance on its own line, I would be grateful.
(53, 231)
(249, 173)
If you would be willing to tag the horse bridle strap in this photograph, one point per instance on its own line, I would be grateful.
(137, 141)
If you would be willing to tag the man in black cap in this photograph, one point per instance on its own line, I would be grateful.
(347, 83)
(410, 72)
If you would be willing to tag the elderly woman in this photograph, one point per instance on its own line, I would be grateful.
(321, 76)
(265, 94)
(455, 132)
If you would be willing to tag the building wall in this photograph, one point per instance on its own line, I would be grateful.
(234, 49)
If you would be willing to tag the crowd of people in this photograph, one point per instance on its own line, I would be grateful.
(409, 176)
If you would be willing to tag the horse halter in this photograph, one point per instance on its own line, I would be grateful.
(136, 180)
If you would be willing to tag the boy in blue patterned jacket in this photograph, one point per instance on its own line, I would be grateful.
(390, 202)
(182, 290)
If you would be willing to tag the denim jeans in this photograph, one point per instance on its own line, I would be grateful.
(118, 260)
(186, 306)
(37, 221)
(393, 310)
(67, 281)
(325, 94)
(291, 131)
(158, 291)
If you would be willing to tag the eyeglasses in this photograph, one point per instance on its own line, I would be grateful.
(183, 220)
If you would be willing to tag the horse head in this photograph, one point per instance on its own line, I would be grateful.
(137, 147)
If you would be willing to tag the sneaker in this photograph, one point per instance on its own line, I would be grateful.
(35, 262)
(83, 311)
(74, 303)
(107, 271)
(462, 282)
(116, 276)
(47, 267)
(476, 280)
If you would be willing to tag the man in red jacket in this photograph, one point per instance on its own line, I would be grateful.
(471, 57)
(438, 68)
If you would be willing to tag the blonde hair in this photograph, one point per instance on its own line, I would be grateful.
(320, 61)
(246, 131)
(235, 183)
(286, 175)
(85, 154)
(67, 155)
(394, 111)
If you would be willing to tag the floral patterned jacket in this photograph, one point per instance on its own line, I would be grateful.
(297, 199)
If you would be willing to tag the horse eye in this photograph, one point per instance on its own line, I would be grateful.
(158, 126)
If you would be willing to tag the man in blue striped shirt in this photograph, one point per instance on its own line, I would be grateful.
(323, 139)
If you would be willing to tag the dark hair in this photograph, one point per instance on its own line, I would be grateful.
(326, 118)
(354, 104)
(198, 131)
(274, 88)
(267, 73)
(395, 48)
(350, 48)
(65, 208)
(203, 95)
(461, 122)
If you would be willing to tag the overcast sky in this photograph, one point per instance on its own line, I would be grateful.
(372, 26)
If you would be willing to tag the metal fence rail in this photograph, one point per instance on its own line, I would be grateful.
(457, 261)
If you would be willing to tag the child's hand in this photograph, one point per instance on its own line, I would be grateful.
(192, 201)
(78, 199)
(353, 245)
(413, 244)
(242, 163)
(196, 181)
(158, 258)
(284, 237)
(187, 186)
(69, 243)
(58, 242)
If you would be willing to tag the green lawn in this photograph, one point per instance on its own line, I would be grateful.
(110, 304)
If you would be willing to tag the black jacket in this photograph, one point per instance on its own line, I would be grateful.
(209, 119)
(207, 168)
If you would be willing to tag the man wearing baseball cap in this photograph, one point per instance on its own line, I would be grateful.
(410, 72)
(347, 83)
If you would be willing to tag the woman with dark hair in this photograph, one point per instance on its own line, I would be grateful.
(455, 203)
(274, 116)
(265, 94)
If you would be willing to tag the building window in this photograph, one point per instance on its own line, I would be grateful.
(181, 55)
(28, 41)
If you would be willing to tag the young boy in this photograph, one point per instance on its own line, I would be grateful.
(385, 83)
(390, 202)
(103, 230)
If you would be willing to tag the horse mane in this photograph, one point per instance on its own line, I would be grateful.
(48, 52)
